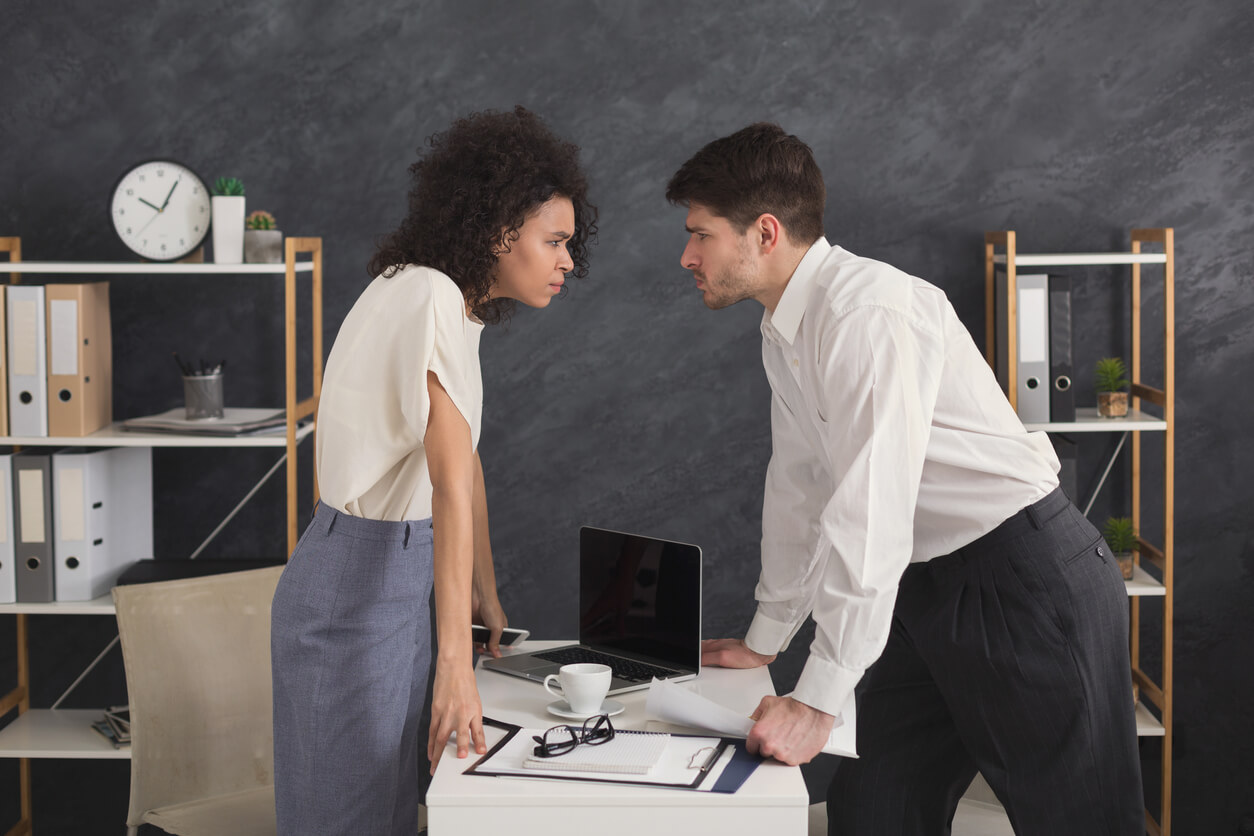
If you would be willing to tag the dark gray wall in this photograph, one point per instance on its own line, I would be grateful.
(627, 403)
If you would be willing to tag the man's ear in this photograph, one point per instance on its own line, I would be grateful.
(769, 233)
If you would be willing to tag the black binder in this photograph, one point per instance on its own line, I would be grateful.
(32, 527)
(1066, 450)
(1061, 392)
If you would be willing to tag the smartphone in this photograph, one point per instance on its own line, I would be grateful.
(509, 636)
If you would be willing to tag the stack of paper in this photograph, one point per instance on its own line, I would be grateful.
(629, 753)
(672, 702)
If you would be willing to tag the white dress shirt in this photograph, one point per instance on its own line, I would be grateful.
(372, 415)
(892, 443)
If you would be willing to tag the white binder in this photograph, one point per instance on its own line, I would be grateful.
(102, 517)
(1033, 381)
(8, 580)
(28, 360)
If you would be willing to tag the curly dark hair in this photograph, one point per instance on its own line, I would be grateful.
(477, 180)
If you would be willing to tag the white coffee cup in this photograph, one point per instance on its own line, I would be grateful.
(584, 686)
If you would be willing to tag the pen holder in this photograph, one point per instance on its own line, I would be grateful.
(202, 396)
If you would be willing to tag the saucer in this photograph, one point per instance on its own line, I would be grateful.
(562, 709)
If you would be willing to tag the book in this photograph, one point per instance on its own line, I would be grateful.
(629, 753)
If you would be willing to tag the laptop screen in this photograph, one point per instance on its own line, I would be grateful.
(640, 596)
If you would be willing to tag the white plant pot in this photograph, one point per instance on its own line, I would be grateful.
(228, 229)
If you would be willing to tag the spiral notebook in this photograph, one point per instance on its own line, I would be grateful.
(629, 753)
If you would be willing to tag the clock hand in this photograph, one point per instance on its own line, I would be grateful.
(167, 196)
(149, 221)
(146, 203)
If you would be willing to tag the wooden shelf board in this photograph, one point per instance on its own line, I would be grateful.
(1142, 583)
(1088, 421)
(97, 606)
(114, 436)
(1147, 724)
(146, 268)
(57, 733)
(1080, 259)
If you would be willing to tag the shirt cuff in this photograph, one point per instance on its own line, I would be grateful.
(767, 635)
(825, 685)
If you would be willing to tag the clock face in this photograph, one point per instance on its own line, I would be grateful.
(160, 210)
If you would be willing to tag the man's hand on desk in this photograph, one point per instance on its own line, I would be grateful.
(731, 653)
(788, 731)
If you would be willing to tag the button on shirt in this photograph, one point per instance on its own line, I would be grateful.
(372, 416)
(892, 443)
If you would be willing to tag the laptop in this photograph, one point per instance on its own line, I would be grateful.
(639, 612)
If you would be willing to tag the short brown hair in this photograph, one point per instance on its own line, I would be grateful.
(758, 169)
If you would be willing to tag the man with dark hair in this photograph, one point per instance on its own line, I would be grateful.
(980, 616)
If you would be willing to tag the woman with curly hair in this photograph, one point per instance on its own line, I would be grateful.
(498, 214)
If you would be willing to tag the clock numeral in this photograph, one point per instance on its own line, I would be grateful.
(163, 248)
(195, 190)
(142, 178)
(182, 243)
(128, 230)
(202, 210)
(130, 192)
(196, 229)
(121, 211)
(160, 172)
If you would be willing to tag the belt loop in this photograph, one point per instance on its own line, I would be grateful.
(328, 515)
(1034, 517)
(408, 528)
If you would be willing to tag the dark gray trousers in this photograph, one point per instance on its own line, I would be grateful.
(350, 652)
(1009, 656)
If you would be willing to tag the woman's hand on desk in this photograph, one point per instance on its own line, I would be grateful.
(455, 710)
(788, 731)
(731, 653)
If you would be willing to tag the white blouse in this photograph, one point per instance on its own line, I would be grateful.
(372, 415)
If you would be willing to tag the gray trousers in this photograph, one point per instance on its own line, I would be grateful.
(1009, 656)
(350, 652)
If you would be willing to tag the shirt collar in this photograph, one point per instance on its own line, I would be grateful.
(792, 303)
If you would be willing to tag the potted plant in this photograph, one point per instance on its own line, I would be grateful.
(228, 220)
(1120, 535)
(263, 242)
(1112, 380)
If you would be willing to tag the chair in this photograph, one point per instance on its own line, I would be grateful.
(197, 659)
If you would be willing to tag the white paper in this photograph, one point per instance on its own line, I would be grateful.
(672, 702)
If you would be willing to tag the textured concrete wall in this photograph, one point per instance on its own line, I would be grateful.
(627, 403)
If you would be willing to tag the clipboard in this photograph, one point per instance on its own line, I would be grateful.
(731, 762)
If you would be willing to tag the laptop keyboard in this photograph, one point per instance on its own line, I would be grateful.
(623, 668)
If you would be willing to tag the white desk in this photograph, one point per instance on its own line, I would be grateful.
(773, 801)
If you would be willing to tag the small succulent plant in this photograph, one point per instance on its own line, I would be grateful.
(1120, 534)
(228, 187)
(1112, 375)
(260, 219)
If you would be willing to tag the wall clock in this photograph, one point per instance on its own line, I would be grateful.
(160, 210)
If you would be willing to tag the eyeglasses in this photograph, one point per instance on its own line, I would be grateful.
(562, 739)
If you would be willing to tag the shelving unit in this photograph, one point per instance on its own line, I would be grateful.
(67, 733)
(1000, 250)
